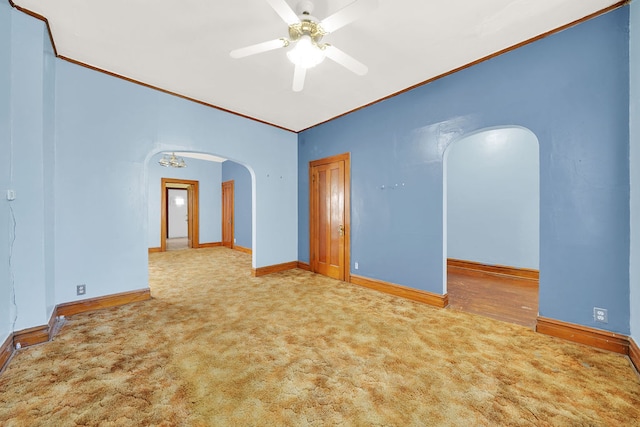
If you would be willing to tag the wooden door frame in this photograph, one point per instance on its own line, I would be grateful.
(346, 157)
(193, 212)
(230, 183)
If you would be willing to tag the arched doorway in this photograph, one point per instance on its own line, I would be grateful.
(491, 217)
(203, 177)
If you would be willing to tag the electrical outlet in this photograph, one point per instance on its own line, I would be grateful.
(600, 315)
(356, 265)
(81, 289)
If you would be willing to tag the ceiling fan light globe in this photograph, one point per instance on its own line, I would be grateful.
(306, 53)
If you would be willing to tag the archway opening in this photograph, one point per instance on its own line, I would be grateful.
(491, 217)
(203, 175)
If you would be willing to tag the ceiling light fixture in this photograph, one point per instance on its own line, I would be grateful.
(306, 53)
(172, 161)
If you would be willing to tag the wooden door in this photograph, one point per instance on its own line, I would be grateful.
(193, 213)
(329, 216)
(227, 214)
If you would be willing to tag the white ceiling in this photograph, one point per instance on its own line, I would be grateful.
(183, 47)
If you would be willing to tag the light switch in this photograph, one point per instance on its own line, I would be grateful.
(11, 194)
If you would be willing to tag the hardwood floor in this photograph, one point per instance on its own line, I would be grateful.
(177, 243)
(503, 298)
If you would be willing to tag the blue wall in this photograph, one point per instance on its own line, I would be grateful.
(492, 198)
(6, 318)
(32, 117)
(232, 171)
(634, 118)
(209, 175)
(571, 90)
(107, 131)
(48, 169)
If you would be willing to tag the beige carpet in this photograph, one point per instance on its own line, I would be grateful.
(218, 347)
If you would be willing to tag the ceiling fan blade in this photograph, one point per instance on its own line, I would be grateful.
(345, 60)
(258, 48)
(284, 10)
(298, 78)
(348, 14)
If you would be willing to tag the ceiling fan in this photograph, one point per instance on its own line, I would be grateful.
(306, 33)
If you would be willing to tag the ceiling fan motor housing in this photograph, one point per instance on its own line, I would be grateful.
(307, 26)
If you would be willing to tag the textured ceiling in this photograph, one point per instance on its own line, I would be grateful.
(183, 47)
